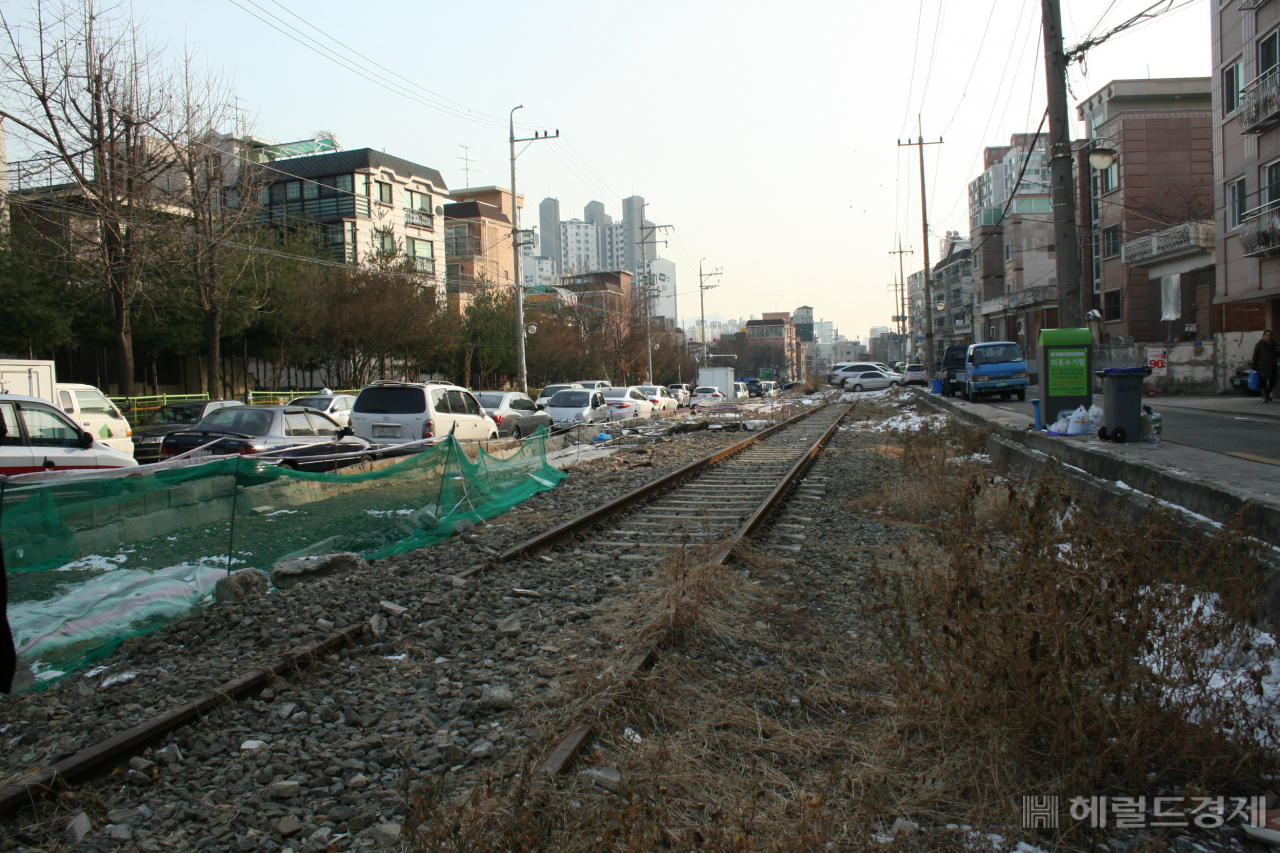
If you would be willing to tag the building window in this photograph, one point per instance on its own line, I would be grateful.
(385, 243)
(1270, 190)
(1111, 242)
(1268, 52)
(416, 248)
(1111, 306)
(1109, 177)
(1008, 251)
(1235, 203)
(417, 201)
(384, 192)
(1231, 86)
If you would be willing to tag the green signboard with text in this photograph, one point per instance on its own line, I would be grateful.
(1067, 373)
(1066, 378)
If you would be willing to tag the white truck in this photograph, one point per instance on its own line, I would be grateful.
(87, 405)
(717, 377)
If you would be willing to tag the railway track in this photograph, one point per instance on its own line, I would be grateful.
(708, 507)
(718, 500)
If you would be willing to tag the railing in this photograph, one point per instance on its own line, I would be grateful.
(419, 218)
(316, 208)
(1031, 295)
(424, 265)
(1260, 103)
(1260, 234)
(1187, 238)
(461, 246)
(1245, 5)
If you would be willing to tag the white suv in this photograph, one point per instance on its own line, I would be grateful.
(399, 412)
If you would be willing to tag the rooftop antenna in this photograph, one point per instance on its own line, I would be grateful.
(466, 162)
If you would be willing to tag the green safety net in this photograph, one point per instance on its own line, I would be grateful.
(93, 561)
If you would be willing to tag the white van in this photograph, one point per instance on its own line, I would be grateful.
(96, 415)
(398, 412)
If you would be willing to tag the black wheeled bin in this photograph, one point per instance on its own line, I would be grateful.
(1121, 402)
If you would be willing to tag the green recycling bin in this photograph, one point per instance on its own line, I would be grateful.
(1065, 367)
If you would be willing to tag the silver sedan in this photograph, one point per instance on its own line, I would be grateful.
(871, 380)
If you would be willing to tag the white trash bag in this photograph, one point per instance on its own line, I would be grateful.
(1095, 417)
(1080, 424)
(1060, 426)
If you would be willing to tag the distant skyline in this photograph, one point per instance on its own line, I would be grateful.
(766, 134)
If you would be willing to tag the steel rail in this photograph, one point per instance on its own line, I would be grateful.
(613, 507)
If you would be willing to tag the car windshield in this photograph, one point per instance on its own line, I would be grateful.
(91, 402)
(318, 403)
(241, 419)
(176, 415)
(998, 354)
(391, 401)
(648, 389)
(707, 390)
(490, 401)
(569, 399)
(915, 368)
(550, 390)
(615, 393)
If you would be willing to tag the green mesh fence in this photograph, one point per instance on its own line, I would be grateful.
(93, 561)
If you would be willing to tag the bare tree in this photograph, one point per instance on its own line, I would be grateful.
(88, 90)
(217, 195)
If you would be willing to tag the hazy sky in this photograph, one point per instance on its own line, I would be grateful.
(765, 132)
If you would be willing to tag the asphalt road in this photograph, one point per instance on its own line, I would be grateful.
(1246, 437)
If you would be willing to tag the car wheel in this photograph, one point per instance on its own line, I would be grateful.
(857, 387)
(365, 460)
(516, 433)
(893, 384)
(290, 464)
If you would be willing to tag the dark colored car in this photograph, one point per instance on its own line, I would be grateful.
(754, 388)
(266, 432)
(171, 418)
(515, 414)
(951, 369)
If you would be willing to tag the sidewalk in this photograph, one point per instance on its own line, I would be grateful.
(1227, 404)
(1211, 484)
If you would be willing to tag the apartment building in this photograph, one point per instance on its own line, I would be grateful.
(1246, 149)
(549, 231)
(1145, 222)
(776, 330)
(606, 294)
(477, 243)
(370, 206)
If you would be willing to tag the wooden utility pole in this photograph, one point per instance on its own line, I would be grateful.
(903, 328)
(924, 224)
(1071, 308)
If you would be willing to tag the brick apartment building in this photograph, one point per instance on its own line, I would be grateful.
(1145, 223)
(775, 329)
(477, 243)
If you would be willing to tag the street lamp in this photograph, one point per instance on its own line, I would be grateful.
(1101, 156)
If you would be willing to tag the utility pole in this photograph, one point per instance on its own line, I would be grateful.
(646, 290)
(924, 222)
(1070, 304)
(516, 244)
(703, 287)
(903, 329)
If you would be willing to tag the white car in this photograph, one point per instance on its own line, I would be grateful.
(740, 391)
(97, 415)
(660, 398)
(707, 395)
(681, 392)
(627, 402)
(336, 406)
(577, 406)
(872, 380)
(550, 391)
(594, 384)
(768, 389)
(399, 412)
(35, 436)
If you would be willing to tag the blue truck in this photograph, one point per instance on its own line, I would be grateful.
(995, 368)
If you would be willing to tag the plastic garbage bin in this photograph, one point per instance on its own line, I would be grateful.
(1122, 402)
(936, 386)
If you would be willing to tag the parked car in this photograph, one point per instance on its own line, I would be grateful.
(872, 380)
(627, 401)
(841, 372)
(291, 435)
(769, 388)
(551, 390)
(397, 412)
(96, 414)
(336, 406)
(578, 406)
(594, 383)
(740, 391)
(660, 398)
(754, 388)
(168, 419)
(35, 436)
(790, 386)
(951, 369)
(995, 368)
(708, 395)
(681, 392)
(515, 414)
(914, 374)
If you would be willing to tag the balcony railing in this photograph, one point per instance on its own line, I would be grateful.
(1187, 238)
(1260, 234)
(1251, 4)
(456, 247)
(418, 218)
(1260, 103)
(424, 265)
(1032, 295)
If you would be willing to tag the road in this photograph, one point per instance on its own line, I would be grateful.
(1245, 436)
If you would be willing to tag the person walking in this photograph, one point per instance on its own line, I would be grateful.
(1264, 362)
